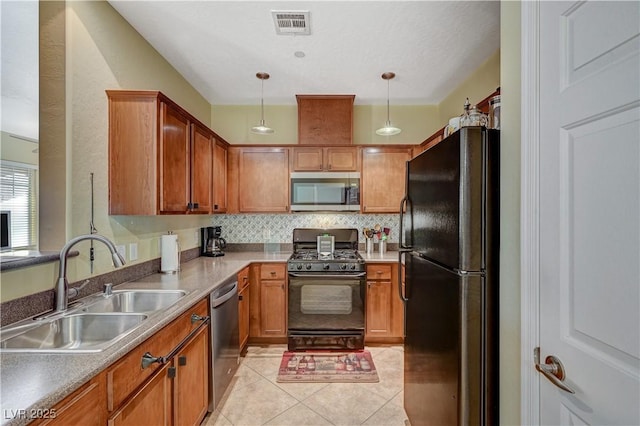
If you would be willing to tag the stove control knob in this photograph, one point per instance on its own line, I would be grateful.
(343, 266)
(299, 266)
(308, 266)
(326, 266)
(353, 267)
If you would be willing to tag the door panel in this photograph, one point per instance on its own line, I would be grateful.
(202, 169)
(174, 156)
(446, 193)
(445, 348)
(589, 210)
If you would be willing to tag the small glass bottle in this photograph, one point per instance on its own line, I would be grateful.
(464, 118)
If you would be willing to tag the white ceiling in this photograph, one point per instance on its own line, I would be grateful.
(219, 46)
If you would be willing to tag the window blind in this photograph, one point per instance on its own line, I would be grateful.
(18, 195)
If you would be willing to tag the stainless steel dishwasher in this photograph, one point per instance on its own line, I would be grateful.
(225, 341)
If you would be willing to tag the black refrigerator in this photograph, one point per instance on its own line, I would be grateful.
(450, 234)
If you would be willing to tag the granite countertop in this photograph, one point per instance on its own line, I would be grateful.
(38, 381)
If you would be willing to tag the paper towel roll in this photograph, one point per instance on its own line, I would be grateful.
(169, 253)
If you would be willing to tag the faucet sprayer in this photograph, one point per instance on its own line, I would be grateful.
(62, 285)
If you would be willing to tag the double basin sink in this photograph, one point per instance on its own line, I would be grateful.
(92, 325)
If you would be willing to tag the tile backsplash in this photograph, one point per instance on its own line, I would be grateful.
(260, 228)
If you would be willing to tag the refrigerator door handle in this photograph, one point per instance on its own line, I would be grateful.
(404, 202)
(403, 294)
(402, 249)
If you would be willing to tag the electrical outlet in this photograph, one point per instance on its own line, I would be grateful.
(122, 250)
(133, 251)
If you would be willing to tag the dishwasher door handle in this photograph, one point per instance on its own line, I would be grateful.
(226, 296)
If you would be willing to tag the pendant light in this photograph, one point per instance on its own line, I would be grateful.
(388, 129)
(261, 129)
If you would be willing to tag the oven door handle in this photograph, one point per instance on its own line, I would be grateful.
(339, 276)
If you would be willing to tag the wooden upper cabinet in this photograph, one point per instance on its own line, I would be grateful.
(160, 157)
(334, 159)
(325, 119)
(383, 179)
(202, 151)
(263, 180)
(220, 161)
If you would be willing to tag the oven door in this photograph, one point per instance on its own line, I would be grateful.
(326, 311)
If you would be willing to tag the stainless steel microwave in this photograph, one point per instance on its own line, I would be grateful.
(325, 191)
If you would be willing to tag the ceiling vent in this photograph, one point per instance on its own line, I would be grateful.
(291, 22)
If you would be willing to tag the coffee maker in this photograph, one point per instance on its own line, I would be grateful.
(212, 243)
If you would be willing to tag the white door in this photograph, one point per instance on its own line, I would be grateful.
(588, 179)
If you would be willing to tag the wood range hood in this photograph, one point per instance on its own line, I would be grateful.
(325, 119)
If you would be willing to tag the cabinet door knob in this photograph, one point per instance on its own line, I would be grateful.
(240, 297)
(182, 360)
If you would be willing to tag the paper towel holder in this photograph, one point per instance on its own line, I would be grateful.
(169, 256)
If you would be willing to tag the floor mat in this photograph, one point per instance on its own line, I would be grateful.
(328, 367)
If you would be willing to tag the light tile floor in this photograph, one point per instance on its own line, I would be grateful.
(254, 397)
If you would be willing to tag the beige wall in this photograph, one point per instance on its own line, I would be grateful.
(100, 51)
(233, 123)
(95, 49)
(480, 84)
(510, 214)
(417, 122)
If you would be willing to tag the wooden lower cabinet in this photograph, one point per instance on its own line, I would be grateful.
(384, 316)
(85, 406)
(190, 391)
(244, 297)
(272, 308)
(150, 404)
(268, 303)
(175, 393)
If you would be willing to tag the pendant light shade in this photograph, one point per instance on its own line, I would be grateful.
(261, 129)
(388, 129)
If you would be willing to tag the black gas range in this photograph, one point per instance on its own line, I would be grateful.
(326, 302)
(342, 258)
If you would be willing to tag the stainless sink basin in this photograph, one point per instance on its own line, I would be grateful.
(136, 301)
(84, 332)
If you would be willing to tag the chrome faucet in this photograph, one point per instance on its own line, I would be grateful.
(62, 285)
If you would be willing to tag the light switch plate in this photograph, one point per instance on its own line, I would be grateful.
(133, 251)
(122, 250)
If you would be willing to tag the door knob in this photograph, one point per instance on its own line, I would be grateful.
(552, 369)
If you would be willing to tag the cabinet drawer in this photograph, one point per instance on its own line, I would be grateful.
(126, 375)
(376, 271)
(243, 278)
(272, 271)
